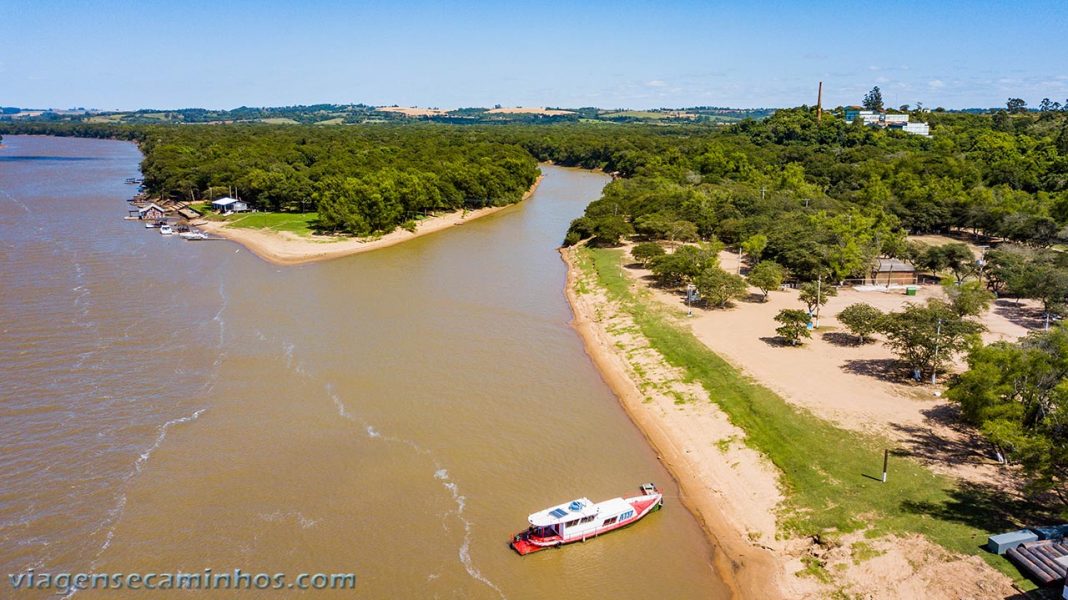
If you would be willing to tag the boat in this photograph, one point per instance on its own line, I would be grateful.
(580, 520)
(192, 236)
(151, 224)
(166, 230)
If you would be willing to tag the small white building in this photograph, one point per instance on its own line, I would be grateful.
(917, 128)
(229, 205)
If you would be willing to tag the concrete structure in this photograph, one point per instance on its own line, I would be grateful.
(1002, 543)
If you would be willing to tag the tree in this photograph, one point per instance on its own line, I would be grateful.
(968, 299)
(1016, 394)
(862, 320)
(646, 252)
(925, 336)
(754, 247)
(1046, 283)
(956, 257)
(873, 100)
(685, 263)
(814, 295)
(719, 287)
(609, 230)
(1016, 105)
(767, 276)
(794, 325)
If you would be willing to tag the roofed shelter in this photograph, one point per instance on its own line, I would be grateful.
(229, 205)
(890, 271)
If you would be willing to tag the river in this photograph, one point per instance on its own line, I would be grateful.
(174, 406)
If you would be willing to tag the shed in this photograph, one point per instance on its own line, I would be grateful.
(893, 271)
(229, 205)
(151, 212)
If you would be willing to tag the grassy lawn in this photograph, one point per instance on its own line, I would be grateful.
(298, 223)
(830, 475)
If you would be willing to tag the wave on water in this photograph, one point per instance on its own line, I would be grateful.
(441, 474)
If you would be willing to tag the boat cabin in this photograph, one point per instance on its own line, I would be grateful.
(578, 518)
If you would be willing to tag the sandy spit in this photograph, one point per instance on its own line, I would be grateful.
(286, 248)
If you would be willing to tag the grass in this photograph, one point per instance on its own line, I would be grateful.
(830, 475)
(298, 223)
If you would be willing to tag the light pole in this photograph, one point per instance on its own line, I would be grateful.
(689, 294)
(934, 362)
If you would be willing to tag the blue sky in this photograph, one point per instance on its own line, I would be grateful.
(134, 54)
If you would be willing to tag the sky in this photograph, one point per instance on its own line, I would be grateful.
(125, 55)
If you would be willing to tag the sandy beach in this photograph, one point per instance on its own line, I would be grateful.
(733, 490)
(286, 248)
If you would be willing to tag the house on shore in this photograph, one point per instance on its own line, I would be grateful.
(229, 205)
(151, 212)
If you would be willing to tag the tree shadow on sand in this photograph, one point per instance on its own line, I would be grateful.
(777, 342)
(1024, 316)
(840, 338)
(927, 445)
(885, 369)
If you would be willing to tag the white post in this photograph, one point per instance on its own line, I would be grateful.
(934, 365)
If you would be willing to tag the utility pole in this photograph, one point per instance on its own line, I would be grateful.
(819, 288)
(934, 364)
(819, 105)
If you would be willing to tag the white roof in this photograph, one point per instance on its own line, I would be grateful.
(151, 206)
(568, 511)
(227, 201)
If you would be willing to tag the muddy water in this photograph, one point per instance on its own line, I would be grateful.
(173, 406)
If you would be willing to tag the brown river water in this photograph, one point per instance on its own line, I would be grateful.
(172, 406)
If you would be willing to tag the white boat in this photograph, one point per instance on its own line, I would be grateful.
(166, 230)
(192, 236)
(580, 520)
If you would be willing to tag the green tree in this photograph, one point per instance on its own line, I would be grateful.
(862, 320)
(754, 247)
(609, 230)
(685, 263)
(719, 287)
(1016, 105)
(1017, 394)
(969, 299)
(873, 100)
(646, 252)
(814, 294)
(926, 336)
(767, 276)
(794, 325)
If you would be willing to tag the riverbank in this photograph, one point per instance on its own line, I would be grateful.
(731, 490)
(831, 528)
(287, 248)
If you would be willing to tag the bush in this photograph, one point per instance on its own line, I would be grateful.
(861, 320)
(646, 252)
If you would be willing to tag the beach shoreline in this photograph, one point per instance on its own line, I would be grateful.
(285, 248)
(747, 568)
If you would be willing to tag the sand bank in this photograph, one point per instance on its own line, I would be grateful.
(286, 248)
(731, 489)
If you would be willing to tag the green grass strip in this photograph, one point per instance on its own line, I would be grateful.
(830, 475)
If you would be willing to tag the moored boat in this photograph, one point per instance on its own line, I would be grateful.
(166, 230)
(580, 520)
(192, 236)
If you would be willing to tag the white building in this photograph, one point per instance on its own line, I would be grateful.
(229, 205)
(872, 118)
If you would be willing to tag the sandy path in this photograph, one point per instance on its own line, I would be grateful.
(286, 248)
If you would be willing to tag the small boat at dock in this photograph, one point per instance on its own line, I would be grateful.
(192, 236)
(580, 520)
(166, 230)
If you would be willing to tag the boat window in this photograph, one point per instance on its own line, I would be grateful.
(626, 515)
(571, 523)
(588, 519)
(609, 521)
